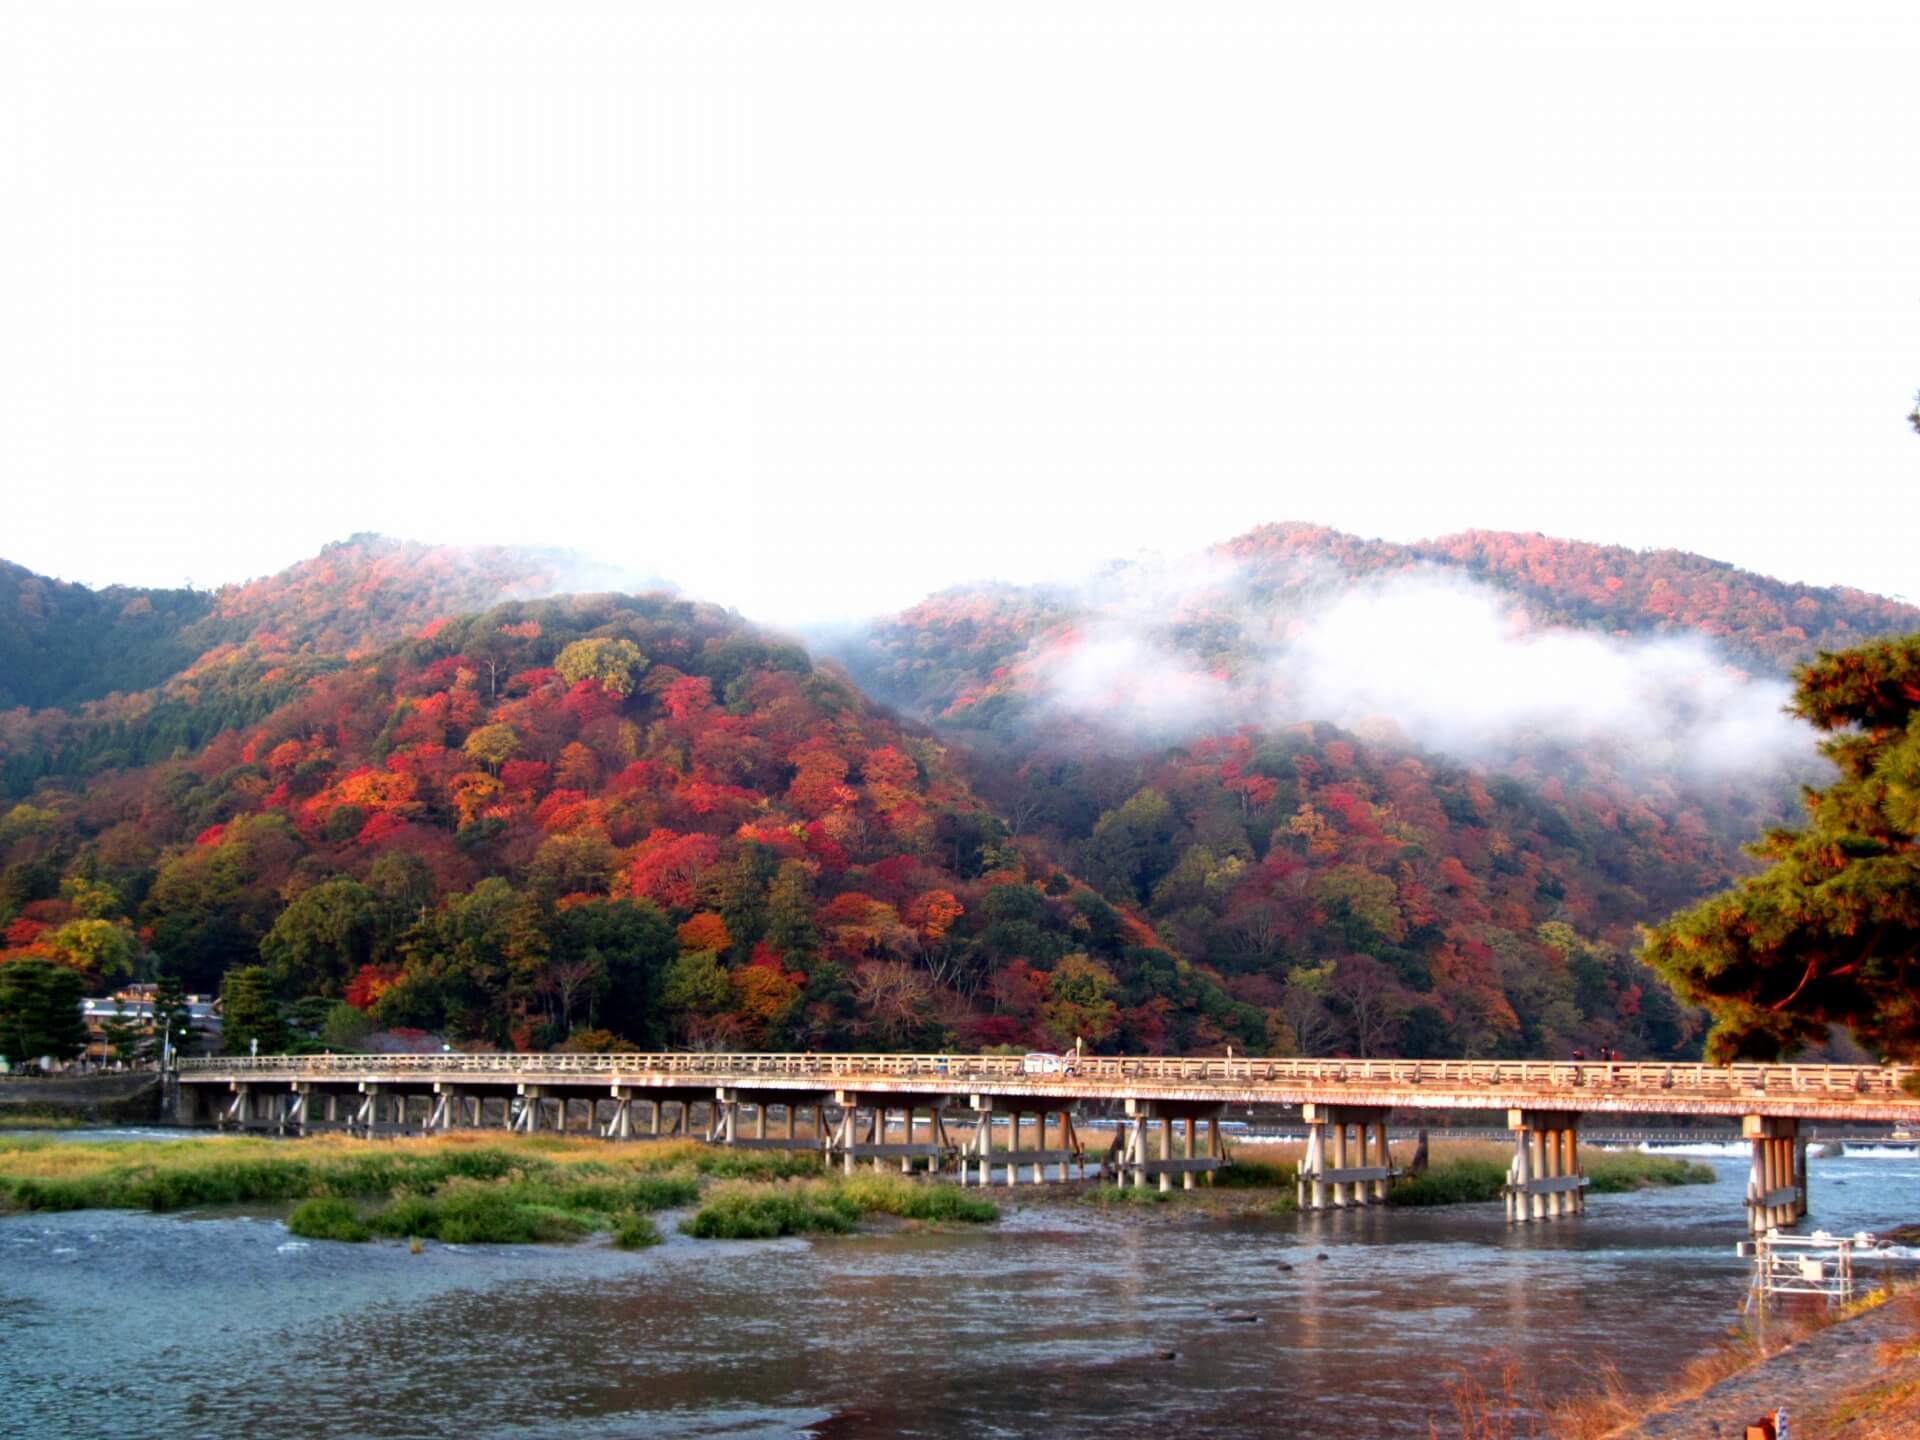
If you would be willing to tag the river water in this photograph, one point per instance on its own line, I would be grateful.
(1059, 1320)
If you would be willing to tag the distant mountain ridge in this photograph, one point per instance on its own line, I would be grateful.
(62, 644)
(515, 820)
(981, 632)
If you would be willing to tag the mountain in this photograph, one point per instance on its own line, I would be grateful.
(1303, 793)
(1416, 797)
(63, 644)
(596, 817)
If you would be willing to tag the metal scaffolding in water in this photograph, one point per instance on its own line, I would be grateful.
(1816, 1264)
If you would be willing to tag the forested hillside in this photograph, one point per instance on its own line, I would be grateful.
(1405, 884)
(61, 644)
(613, 819)
(638, 820)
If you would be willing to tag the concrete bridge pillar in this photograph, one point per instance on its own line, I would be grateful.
(1777, 1183)
(531, 1098)
(450, 1108)
(1141, 1157)
(619, 1125)
(1337, 1171)
(1544, 1179)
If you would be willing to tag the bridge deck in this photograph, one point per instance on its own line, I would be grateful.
(1809, 1092)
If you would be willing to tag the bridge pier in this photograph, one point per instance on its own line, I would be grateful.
(1331, 1176)
(1136, 1148)
(1544, 1179)
(846, 1139)
(1777, 1183)
(980, 1152)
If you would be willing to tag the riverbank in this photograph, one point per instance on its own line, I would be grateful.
(58, 1102)
(1856, 1377)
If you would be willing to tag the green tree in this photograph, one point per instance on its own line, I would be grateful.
(100, 947)
(492, 745)
(345, 1030)
(91, 899)
(324, 937)
(1829, 933)
(694, 985)
(249, 1012)
(40, 1011)
(122, 1034)
(1132, 847)
(612, 662)
(1080, 1002)
(627, 945)
(172, 1020)
(790, 928)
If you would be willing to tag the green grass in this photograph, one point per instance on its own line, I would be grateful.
(746, 1211)
(883, 1194)
(1451, 1182)
(740, 1212)
(1254, 1175)
(27, 1118)
(469, 1213)
(1616, 1172)
(1105, 1195)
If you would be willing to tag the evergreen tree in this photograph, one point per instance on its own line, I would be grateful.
(172, 1020)
(40, 1012)
(790, 928)
(1829, 934)
(122, 1034)
(249, 1012)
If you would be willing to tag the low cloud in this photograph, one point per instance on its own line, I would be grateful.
(1451, 664)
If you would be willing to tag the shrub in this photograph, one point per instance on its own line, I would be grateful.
(883, 1194)
(745, 1212)
(1615, 1172)
(634, 1232)
(327, 1218)
(1451, 1182)
(1255, 1175)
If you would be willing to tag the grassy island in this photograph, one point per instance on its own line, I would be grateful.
(501, 1189)
(472, 1189)
(1461, 1172)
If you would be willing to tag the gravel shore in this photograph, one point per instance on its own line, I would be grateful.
(1809, 1379)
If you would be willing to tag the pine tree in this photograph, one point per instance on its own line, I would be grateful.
(121, 1033)
(1829, 934)
(40, 1012)
(172, 1021)
(249, 1012)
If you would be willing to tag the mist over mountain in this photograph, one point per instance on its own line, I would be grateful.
(1302, 793)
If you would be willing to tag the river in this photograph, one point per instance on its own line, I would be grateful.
(1059, 1320)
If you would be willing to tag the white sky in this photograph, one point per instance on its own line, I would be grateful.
(816, 307)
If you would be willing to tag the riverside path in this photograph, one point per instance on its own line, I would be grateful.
(973, 1114)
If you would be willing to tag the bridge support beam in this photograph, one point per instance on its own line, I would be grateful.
(850, 1141)
(1544, 1179)
(1335, 1174)
(979, 1157)
(1777, 1184)
(531, 1099)
(1136, 1159)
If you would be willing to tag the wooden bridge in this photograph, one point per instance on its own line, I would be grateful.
(971, 1113)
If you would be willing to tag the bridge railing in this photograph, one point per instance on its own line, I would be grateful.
(1532, 1076)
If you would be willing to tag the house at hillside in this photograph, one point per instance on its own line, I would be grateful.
(135, 1003)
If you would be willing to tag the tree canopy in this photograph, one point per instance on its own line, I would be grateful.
(1829, 934)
